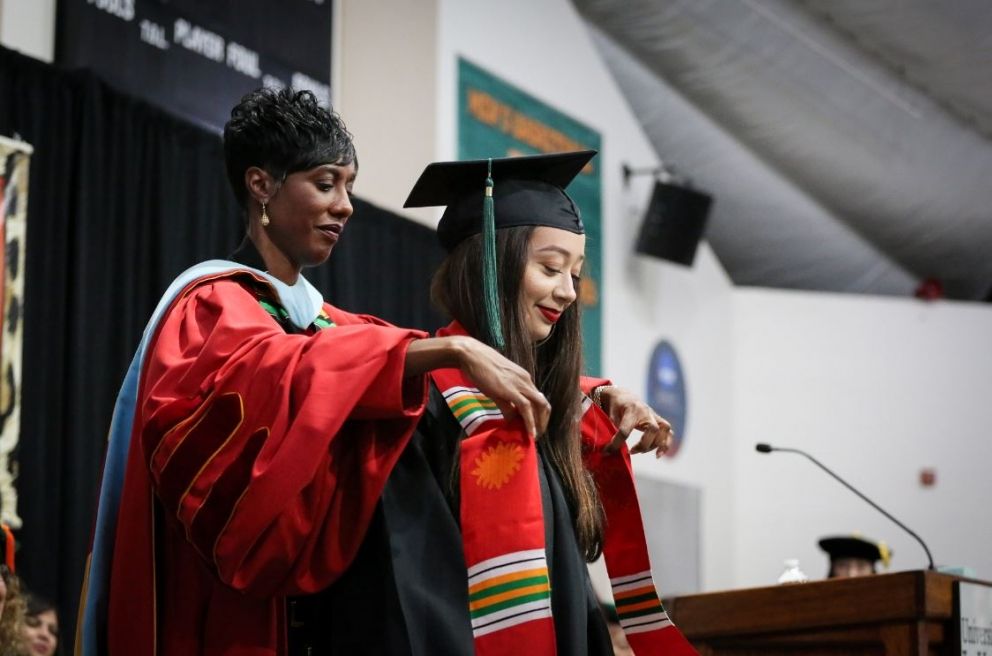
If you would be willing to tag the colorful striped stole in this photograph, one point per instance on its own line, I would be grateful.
(643, 617)
(470, 407)
(502, 522)
(508, 590)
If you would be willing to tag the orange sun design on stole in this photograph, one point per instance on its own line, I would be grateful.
(497, 465)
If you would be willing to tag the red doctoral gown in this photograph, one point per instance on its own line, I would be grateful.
(256, 460)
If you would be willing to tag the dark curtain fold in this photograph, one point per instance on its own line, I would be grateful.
(122, 198)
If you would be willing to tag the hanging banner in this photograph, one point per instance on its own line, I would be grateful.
(16, 159)
(496, 119)
(197, 59)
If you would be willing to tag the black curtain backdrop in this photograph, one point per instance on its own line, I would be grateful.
(122, 198)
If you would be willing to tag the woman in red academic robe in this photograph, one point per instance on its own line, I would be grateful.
(258, 424)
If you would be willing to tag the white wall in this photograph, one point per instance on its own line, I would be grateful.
(877, 389)
(29, 26)
(867, 383)
(385, 88)
(544, 49)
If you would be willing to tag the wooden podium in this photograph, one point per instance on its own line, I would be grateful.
(903, 613)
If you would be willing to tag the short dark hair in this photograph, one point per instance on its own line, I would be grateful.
(282, 132)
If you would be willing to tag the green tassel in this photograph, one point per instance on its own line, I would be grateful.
(490, 285)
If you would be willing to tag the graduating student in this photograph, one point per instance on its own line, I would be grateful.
(480, 540)
(258, 424)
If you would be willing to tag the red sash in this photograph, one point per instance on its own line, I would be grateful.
(502, 525)
(642, 616)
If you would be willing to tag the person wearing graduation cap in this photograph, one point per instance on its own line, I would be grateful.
(257, 424)
(853, 555)
(483, 532)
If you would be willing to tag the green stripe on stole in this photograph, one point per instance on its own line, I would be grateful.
(509, 603)
(511, 585)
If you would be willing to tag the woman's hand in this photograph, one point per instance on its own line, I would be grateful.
(628, 412)
(506, 383)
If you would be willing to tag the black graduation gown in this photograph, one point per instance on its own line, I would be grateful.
(406, 593)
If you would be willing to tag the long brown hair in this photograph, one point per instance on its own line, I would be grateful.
(555, 364)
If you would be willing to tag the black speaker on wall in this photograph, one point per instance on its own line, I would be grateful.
(674, 223)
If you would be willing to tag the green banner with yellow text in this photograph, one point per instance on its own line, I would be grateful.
(495, 119)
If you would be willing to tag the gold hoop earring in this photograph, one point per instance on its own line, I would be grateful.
(265, 217)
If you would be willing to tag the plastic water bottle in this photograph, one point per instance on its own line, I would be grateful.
(792, 573)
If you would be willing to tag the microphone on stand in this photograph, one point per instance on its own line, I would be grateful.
(768, 448)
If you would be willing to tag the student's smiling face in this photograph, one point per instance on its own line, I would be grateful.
(551, 276)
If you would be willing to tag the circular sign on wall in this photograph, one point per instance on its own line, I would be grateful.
(666, 390)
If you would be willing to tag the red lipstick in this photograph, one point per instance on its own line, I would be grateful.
(551, 315)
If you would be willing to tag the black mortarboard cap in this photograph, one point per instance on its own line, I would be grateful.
(527, 190)
(484, 195)
(853, 546)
